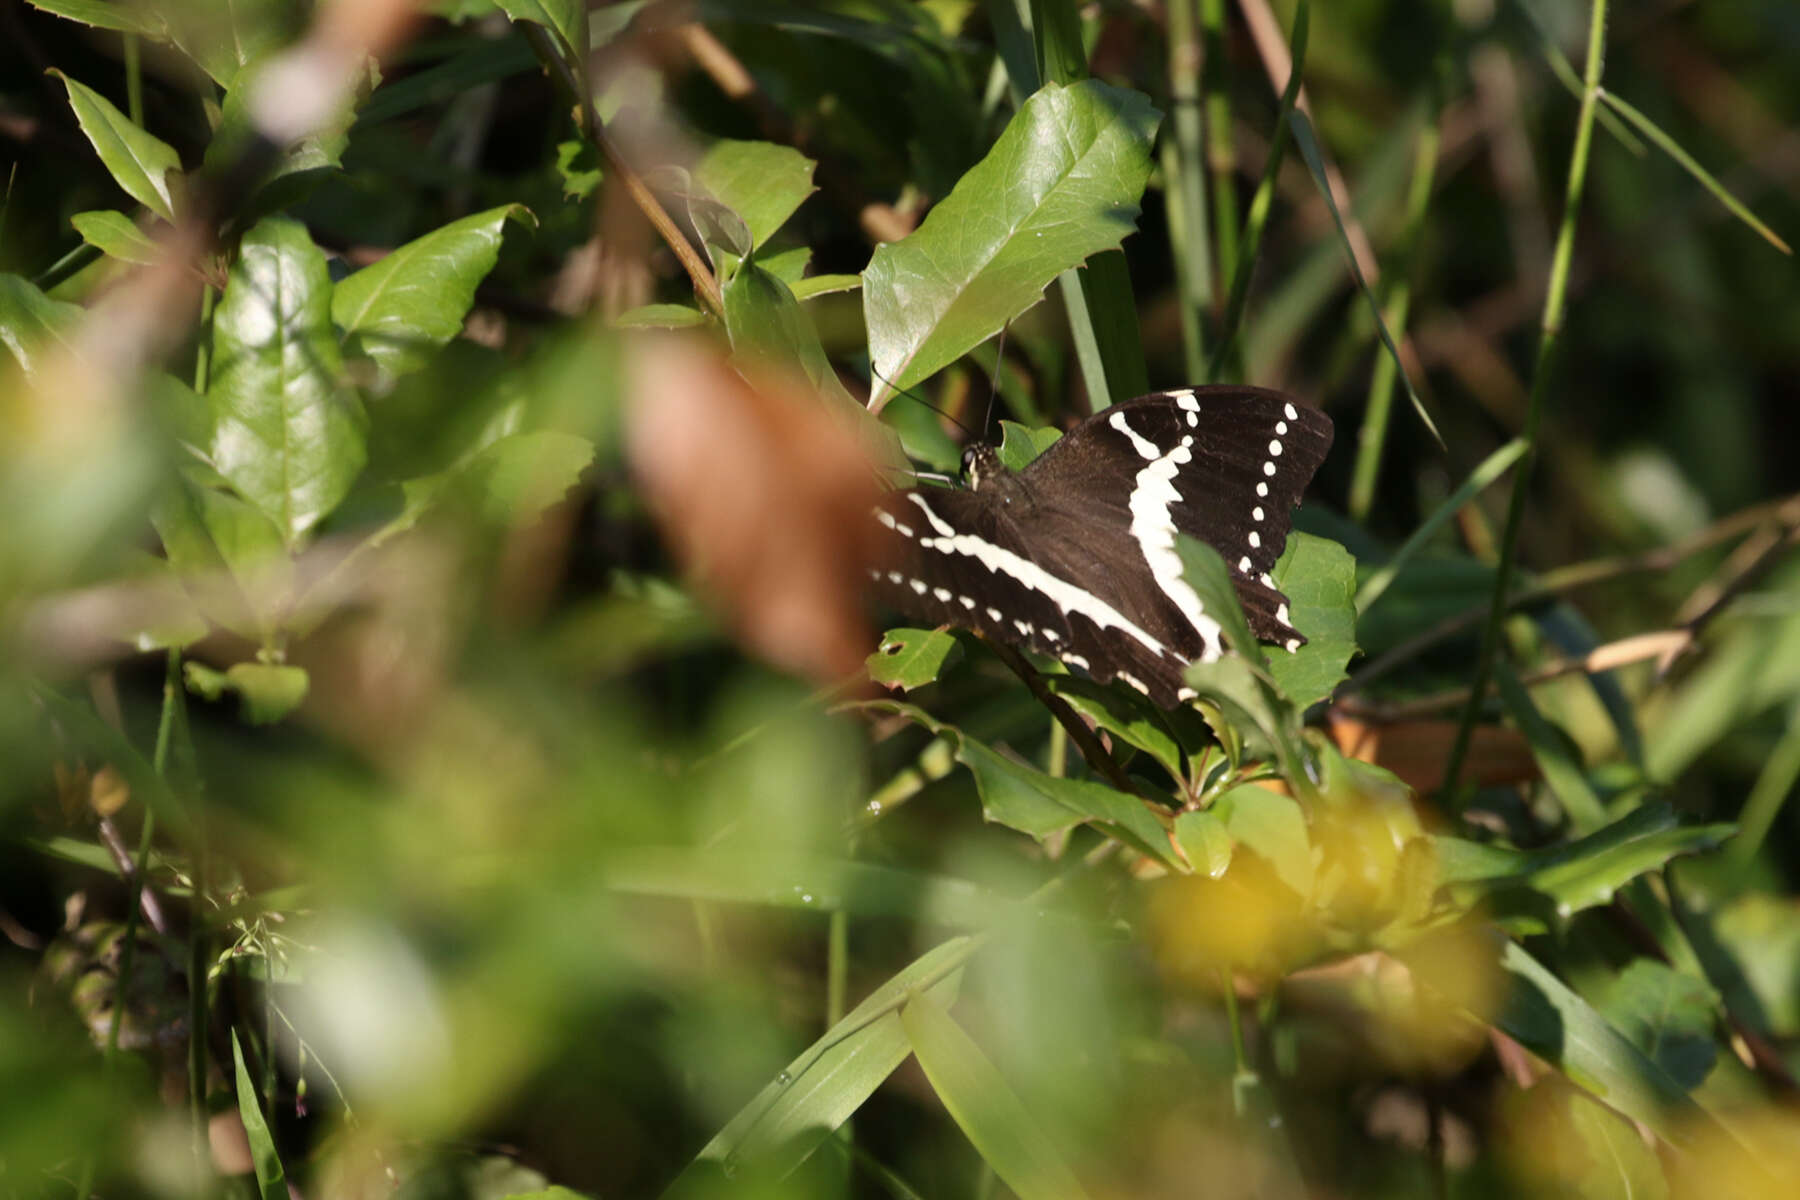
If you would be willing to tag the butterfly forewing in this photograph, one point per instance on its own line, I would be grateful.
(1075, 556)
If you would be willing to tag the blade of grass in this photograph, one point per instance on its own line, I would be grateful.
(1221, 158)
(1669, 146)
(1491, 468)
(1308, 145)
(1564, 70)
(986, 1108)
(1397, 284)
(1774, 784)
(1184, 181)
(271, 1182)
(1555, 295)
(1258, 216)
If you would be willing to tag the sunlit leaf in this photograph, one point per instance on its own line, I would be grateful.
(760, 181)
(113, 233)
(402, 307)
(912, 658)
(271, 1181)
(31, 322)
(1318, 577)
(139, 162)
(1061, 184)
(286, 434)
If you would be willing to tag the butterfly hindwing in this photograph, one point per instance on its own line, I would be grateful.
(1075, 555)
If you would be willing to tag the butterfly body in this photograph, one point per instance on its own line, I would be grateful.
(1074, 556)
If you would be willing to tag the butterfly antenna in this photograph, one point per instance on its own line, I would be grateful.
(987, 418)
(900, 391)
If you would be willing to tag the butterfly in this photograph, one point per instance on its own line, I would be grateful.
(1074, 556)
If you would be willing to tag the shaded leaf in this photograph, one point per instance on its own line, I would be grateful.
(113, 233)
(139, 162)
(1024, 798)
(830, 1080)
(1273, 826)
(1557, 756)
(566, 19)
(767, 325)
(1666, 1014)
(1543, 1015)
(1125, 714)
(286, 435)
(270, 1180)
(1061, 184)
(404, 306)
(984, 1106)
(911, 658)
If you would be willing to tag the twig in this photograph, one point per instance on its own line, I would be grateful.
(1785, 512)
(706, 286)
(1079, 733)
(1621, 653)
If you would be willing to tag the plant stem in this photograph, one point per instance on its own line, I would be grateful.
(1184, 181)
(1221, 158)
(1534, 413)
(1397, 283)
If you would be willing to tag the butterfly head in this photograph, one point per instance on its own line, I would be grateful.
(981, 466)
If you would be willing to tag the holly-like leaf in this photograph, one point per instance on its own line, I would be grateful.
(139, 162)
(286, 434)
(1319, 579)
(1061, 184)
(1025, 798)
(1124, 714)
(912, 658)
(401, 308)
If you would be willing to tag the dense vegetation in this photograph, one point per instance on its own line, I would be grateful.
(441, 757)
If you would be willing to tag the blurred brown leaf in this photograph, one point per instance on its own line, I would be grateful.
(764, 495)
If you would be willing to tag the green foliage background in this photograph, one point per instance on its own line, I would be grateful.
(480, 861)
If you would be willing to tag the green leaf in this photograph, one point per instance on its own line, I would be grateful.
(1273, 826)
(811, 883)
(1557, 756)
(760, 181)
(567, 19)
(139, 162)
(1019, 444)
(204, 531)
(1205, 840)
(1492, 468)
(1028, 800)
(553, 1192)
(1672, 148)
(912, 658)
(1061, 184)
(31, 322)
(822, 285)
(1308, 145)
(223, 39)
(1204, 571)
(982, 1104)
(1666, 1014)
(1318, 576)
(401, 308)
(767, 324)
(1583, 873)
(270, 1181)
(830, 1080)
(1619, 1165)
(106, 14)
(659, 316)
(1123, 713)
(579, 165)
(113, 233)
(269, 692)
(1542, 1014)
(286, 435)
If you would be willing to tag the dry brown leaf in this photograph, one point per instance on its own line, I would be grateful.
(764, 495)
